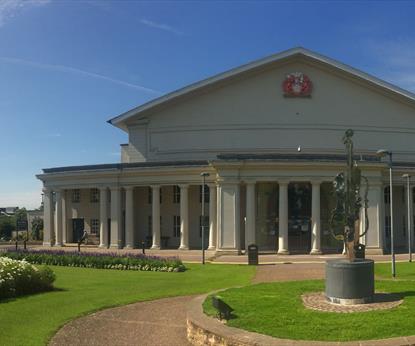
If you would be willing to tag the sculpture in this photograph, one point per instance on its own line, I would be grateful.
(345, 222)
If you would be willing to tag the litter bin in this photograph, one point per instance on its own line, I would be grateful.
(360, 251)
(253, 254)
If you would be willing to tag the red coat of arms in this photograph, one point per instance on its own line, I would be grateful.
(297, 84)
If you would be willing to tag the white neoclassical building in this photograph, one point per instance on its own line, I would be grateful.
(269, 134)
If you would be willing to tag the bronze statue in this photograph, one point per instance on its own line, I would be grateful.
(345, 218)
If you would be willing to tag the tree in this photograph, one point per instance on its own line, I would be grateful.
(37, 227)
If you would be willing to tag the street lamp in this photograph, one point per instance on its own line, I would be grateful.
(203, 175)
(383, 153)
(407, 177)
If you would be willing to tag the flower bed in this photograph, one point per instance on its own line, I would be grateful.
(20, 277)
(99, 260)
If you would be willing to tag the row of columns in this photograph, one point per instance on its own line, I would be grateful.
(283, 217)
(55, 218)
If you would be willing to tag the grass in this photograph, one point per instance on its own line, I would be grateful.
(32, 320)
(404, 270)
(276, 309)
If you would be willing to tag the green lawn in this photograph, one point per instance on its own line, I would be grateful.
(32, 320)
(276, 309)
(404, 270)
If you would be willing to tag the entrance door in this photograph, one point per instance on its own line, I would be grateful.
(77, 229)
(299, 218)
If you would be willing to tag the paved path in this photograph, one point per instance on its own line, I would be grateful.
(160, 322)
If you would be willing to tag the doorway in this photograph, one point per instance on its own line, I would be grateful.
(299, 217)
(77, 229)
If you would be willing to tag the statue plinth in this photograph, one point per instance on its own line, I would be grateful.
(349, 283)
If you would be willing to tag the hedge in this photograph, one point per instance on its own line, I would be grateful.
(20, 278)
(99, 260)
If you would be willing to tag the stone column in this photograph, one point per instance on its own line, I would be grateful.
(156, 216)
(103, 217)
(229, 217)
(315, 219)
(129, 217)
(48, 223)
(250, 215)
(184, 217)
(212, 216)
(58, 218)
(411, 214)
(283, 218)
(116, 218)
(64, 218)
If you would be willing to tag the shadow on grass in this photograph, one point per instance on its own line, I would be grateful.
(29, 294)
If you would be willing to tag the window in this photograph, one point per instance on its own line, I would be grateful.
(387, 226)
(176, 226)
(206, 194)
(387, 195)
(176, 194)
(206, 225)
(94, 195)
(150, 225)
(94, 226)
(150, 195)
(76, 196)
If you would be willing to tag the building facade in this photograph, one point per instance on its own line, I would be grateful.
(269, 134)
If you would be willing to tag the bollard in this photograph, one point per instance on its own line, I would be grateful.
(253, 254)
(24, 244)
(143, 246)
(16, 245)
(79, 246)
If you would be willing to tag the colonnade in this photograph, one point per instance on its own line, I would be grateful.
(283, 216)
(55, 221)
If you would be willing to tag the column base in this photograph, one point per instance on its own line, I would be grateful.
(283, 252)
(183, 248)
(315, 252)
(155, 247)
(47, 243)
(115, 246)
(128, 246)
(211, 248)
(58, 244)
(103, 246)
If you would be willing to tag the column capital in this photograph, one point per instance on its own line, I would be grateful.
(115, 188)
(284, 182)
(183, 186)
(46, 190)
(316, 181)
(155, 186)
(103, 188)
(250, 182)
(129, 187)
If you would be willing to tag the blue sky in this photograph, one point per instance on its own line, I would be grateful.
(68, 66)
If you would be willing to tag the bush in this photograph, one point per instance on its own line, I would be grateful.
(18, 277)
(99, 260)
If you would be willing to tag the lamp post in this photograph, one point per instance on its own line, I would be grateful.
(383, 153)
(407, 177)
(203, 175)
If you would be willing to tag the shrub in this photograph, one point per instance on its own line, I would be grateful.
(99, 260)
(18, 277)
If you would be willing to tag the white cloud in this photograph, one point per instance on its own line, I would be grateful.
(69, 69)
(27, 199)
(10, 8)
(160, 26)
